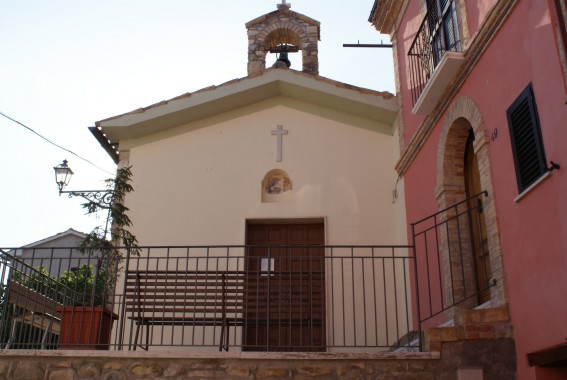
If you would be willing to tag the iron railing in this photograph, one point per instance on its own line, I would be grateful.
(437, 34)
(453, 265)
(249, 298)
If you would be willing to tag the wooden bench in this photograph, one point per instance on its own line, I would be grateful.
(38, 311)
(184, 298)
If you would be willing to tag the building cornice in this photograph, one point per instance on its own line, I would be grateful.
(384, 14)
(478, 46)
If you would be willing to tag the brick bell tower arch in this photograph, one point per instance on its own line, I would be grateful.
(283, 27)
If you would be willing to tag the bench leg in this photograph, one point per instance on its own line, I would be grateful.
(148, 337)
(136, 336)
(139, 327)
(224, 336)
(139, 331)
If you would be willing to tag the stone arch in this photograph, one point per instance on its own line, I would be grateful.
(275, 36)
(462, 116)
(283, 27)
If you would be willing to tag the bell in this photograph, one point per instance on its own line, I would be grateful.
(283, 58)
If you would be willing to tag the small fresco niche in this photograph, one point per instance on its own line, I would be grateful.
(276, 186)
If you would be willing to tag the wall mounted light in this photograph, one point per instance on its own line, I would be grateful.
(63, 174)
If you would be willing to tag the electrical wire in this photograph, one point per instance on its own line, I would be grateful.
(52, 143)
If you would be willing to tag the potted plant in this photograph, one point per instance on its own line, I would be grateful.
(87, 321)
(87, 324)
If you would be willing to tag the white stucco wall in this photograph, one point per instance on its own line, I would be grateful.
(200, 185)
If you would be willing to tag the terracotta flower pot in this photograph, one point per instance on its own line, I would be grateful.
(85, 327)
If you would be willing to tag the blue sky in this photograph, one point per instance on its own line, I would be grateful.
(68, 63)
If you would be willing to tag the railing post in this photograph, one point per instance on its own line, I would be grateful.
(417, 301)
(123, 303)
(5, 270)
(268, 297)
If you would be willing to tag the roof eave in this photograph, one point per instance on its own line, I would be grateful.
(384, 14)
(378, 106)
(70, 231)
(110, 148)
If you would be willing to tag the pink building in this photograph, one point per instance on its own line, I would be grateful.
(482, 87)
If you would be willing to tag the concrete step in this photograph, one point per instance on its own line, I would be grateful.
(471, 324)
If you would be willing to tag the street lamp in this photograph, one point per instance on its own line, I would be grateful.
(63, 174)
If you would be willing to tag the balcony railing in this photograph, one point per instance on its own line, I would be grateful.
(248, 298)
(437, 34)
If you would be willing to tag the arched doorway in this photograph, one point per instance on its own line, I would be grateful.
(464, 143)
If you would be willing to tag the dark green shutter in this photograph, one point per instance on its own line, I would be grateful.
(527, 144)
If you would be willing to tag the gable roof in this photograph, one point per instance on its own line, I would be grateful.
(373, 105)
(69, 232)
(289, 12)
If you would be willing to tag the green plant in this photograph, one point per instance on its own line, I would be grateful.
(109, 252)
(84, 284)
(39, 280)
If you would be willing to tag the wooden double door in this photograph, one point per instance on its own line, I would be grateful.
(285, 288)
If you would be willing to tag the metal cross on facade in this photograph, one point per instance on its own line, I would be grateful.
(279, 132)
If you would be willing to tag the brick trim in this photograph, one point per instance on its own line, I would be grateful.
(461, 116)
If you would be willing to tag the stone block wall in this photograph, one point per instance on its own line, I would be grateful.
(69, 365)
(493, 358)
(480, 342)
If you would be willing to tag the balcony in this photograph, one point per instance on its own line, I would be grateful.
(434, 56)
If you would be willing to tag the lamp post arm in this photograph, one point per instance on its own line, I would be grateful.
(103, 198)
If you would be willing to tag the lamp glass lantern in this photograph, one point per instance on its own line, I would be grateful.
(63, 174)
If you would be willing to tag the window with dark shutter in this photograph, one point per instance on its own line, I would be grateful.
(527, 144)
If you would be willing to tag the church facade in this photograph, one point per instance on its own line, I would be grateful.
(281, 145)
(278, 158)
(277, 144)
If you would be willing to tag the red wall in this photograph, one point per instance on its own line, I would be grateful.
(533, 231)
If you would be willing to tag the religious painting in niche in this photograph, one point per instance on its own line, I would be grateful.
(276, 182)
(277, 187)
